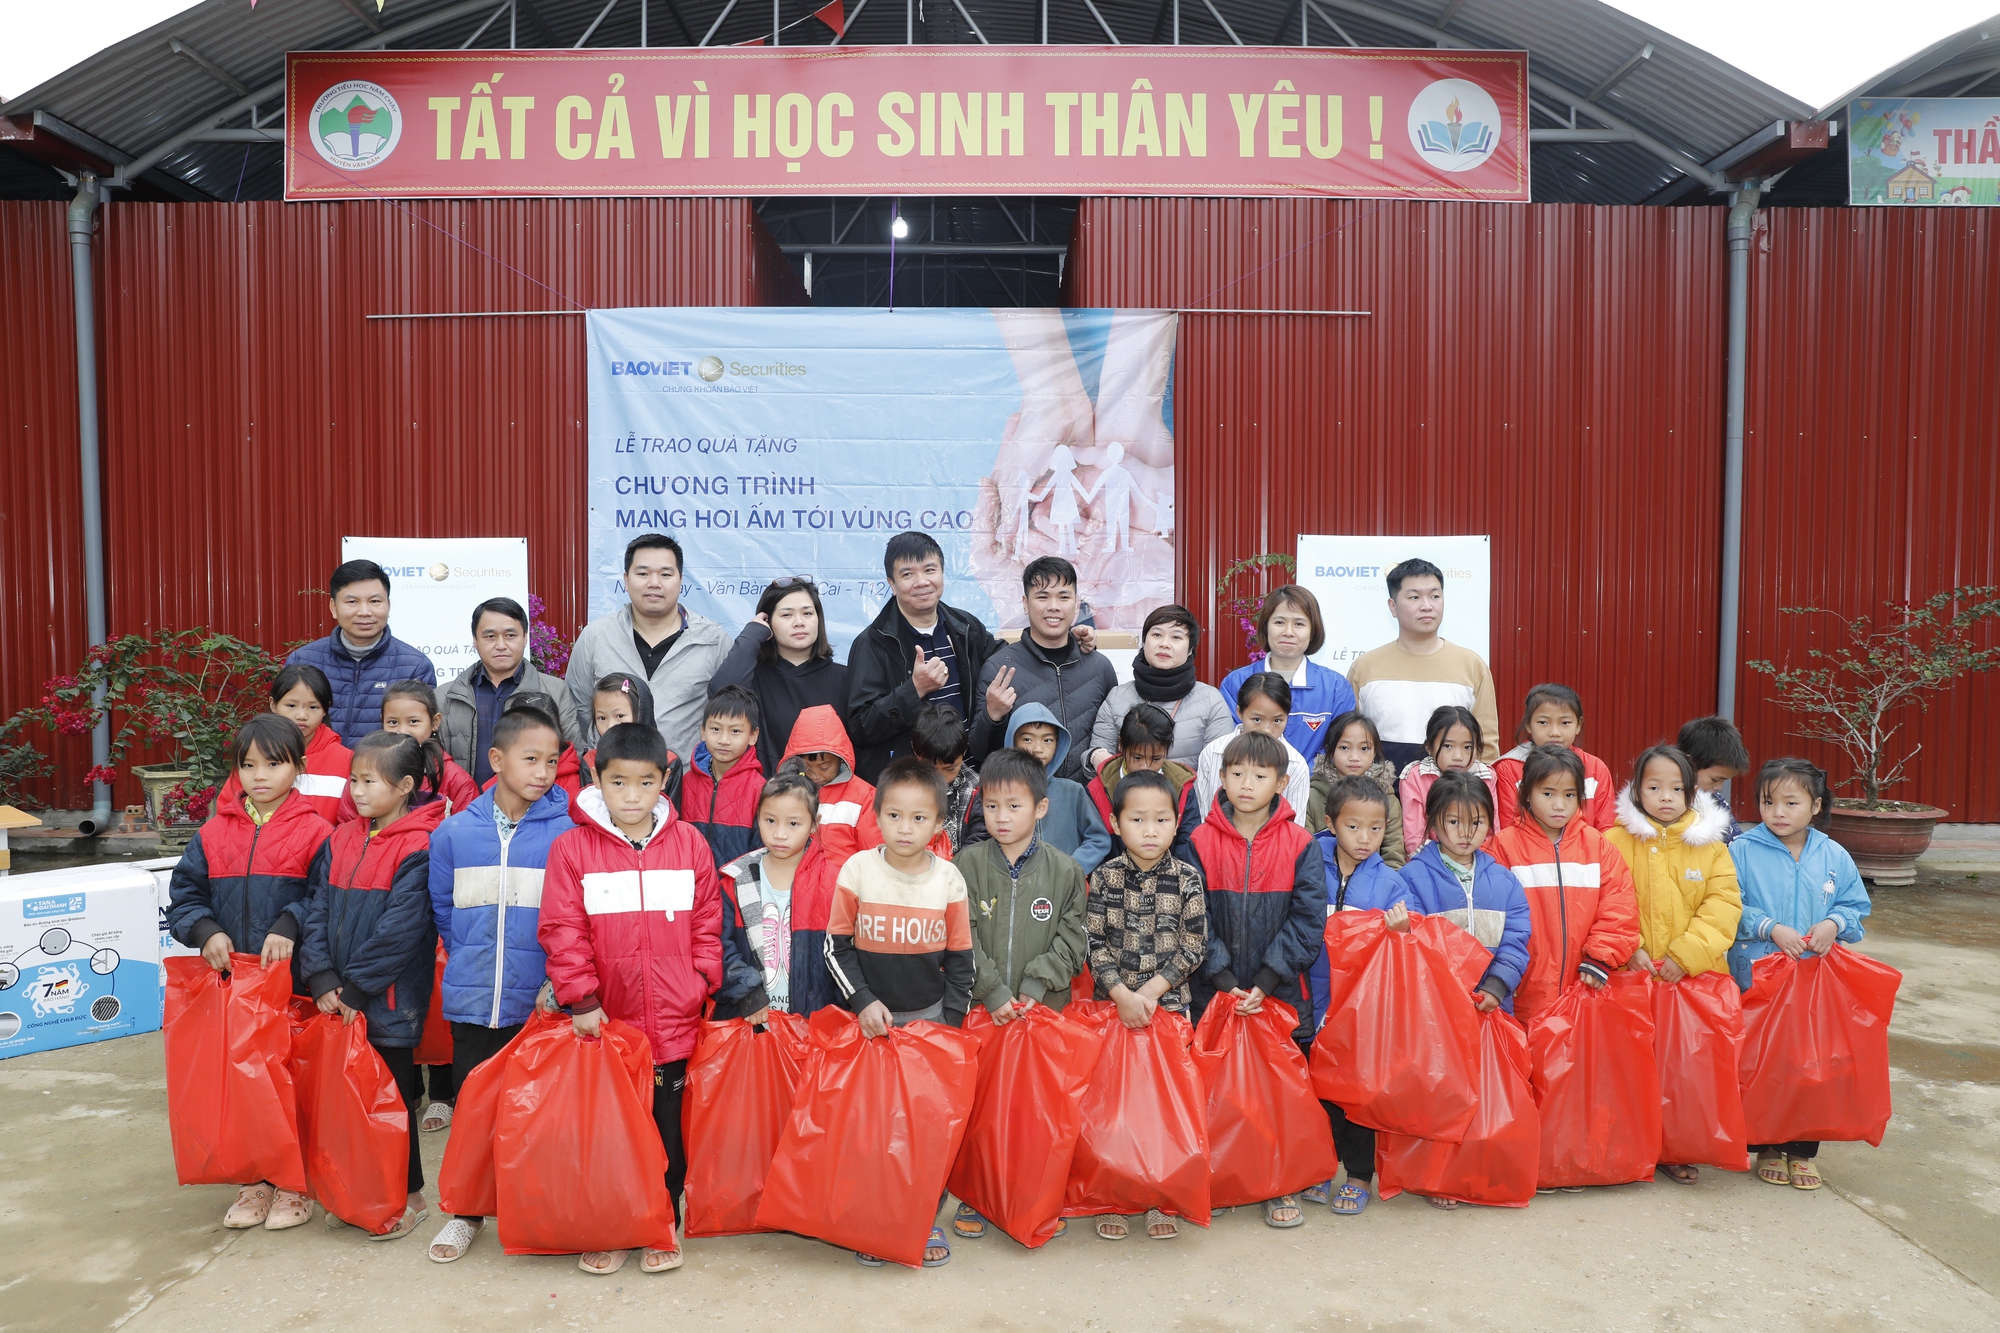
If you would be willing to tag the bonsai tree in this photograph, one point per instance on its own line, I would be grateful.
(1847, 694)
(189, 690)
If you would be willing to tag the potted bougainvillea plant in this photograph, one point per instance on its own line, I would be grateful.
(1849, 694)
(187, 691)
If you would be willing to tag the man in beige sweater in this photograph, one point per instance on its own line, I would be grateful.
(1399, 684)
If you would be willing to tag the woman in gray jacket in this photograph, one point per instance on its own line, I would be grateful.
(1163, 675)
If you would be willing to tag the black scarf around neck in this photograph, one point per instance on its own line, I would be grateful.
(1156, 686)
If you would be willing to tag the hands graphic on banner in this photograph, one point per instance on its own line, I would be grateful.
(1093, 483)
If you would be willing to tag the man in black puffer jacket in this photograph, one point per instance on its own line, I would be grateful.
(895, 668)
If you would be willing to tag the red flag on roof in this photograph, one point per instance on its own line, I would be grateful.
(833, 16)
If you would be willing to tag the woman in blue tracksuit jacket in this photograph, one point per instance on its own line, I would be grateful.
(1496, 916)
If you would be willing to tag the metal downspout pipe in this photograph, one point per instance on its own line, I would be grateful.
(82, 229)
(1742, 224)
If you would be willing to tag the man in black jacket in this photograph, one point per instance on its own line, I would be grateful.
(917, 651)
(1052, 664)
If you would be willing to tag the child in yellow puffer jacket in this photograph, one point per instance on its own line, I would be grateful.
(1671, 835)
(1674, 838)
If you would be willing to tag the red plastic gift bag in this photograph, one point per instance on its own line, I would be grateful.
(1267, 1133)
(740, 1086)
(1596, 1084)
(434, 1048)
(577, 1161)
(1816, 1048)
(465, 1178)
(872, 1135)
(353, 1127)
(1399, 1049)
(1698, 1045)
(1501, 1154)
(1026, 1113)
(230, 1105)
(1144, 1140)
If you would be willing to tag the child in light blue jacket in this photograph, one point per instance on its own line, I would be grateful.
(1801, 892)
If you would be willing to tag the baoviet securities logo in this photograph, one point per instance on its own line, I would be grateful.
(356, 124)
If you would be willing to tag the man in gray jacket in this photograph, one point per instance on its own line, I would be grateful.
(472, 703)
(654, 638)
(1048, 666)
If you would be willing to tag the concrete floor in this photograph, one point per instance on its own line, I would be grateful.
(96, 1234)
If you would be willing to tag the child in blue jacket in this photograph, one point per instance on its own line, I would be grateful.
(486, 892)
(1801, 893)
(1072, 825)
(1357, 817)
(1452, 878)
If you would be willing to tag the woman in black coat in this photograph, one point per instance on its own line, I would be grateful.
(784, 658)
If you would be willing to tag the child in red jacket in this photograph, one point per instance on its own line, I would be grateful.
(846, 802)
(643, 942)
(1585, 915)
(725, 779)
(302, 693)
(1553, 715)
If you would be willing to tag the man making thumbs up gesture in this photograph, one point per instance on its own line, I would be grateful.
(918, 651)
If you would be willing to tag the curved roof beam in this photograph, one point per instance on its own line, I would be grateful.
(1674, 157)
(152, 157)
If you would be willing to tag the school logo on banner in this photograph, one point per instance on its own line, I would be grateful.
(356, 124)
(1454, 124)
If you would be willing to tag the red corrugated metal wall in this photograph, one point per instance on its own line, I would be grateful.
(1873, 455)
(41, 549)
(1551, 375)
(253, 414)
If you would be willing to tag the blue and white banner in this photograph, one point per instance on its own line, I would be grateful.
(774, 441)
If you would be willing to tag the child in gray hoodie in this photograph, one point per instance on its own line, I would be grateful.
(1072, 824)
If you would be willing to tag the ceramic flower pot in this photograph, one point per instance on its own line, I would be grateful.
(1885, 843)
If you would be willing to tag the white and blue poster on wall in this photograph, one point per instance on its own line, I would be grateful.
(775, 441)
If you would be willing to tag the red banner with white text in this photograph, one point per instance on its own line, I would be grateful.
(1049, 120)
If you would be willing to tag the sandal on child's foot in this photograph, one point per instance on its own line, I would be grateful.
(1439, 1201)
(252, 1206)
(659, 1261)
(1771, 1169)
(1804, 1175)
(1159, 1226)
(868, 1260)
(603, 1263)
(1351, 1200)
(1680, 1175)
(288, 1210)
(437, 1116)
(1283, 1213)
(937, 1250)
(1112, 1228)
(968, 1223)
(1570, 1189)
(414, 1213)
(455, 1239)
(1318, 1195)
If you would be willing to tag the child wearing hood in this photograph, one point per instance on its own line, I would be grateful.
(1072, 824)
(819, 748)
(1674, 838)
